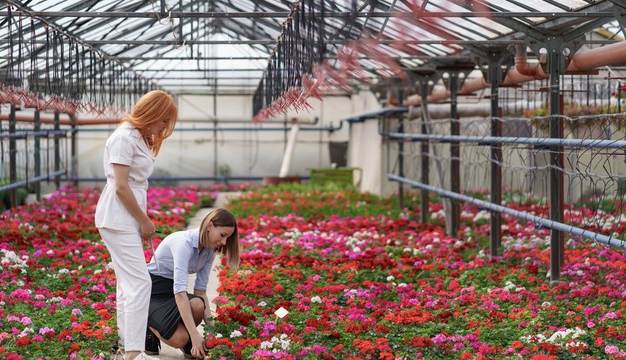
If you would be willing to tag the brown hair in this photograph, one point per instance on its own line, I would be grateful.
(150, 109)
(223, 217)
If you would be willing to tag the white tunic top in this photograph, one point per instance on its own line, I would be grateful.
(125, 146)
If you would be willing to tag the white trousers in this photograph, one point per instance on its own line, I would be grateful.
(133, 286)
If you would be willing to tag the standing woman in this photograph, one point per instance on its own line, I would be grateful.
(121, 215)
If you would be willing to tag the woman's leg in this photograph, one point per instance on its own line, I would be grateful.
(178, 340)
(132, 276)
(181, 335)
(120, 313)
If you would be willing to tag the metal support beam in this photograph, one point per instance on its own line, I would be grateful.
(424, 158)
(594, 236)
(532, 141)
(37, 139)
(455, 154)
(234, 58)
(272, 42)
(400, 98)
(344, 15)
(12, 156)
(495, 78)
(556, 161)
(57, 150)
(74, 151)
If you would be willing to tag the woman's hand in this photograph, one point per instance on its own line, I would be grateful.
(197, 345)
(208, 317)
(147, 228)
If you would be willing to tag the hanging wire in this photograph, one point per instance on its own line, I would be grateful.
(69, 80)
(298, 48)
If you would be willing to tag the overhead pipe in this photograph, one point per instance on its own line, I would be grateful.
(523, 67)
(584, 60)
(31, 119)
(73, 119)
(513, 77)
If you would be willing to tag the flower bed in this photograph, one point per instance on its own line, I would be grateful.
(383, 288)
(58, 293)
(316, 202)
(356, 287)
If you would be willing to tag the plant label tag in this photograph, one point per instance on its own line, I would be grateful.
(281, 312)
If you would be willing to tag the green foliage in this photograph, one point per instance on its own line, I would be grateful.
(5, 196)
(330, 199)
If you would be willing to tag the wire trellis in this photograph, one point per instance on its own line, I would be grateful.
(594, 177)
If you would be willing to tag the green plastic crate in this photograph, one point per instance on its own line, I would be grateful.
(340, 176)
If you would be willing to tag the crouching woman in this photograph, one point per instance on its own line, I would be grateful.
(174, 314)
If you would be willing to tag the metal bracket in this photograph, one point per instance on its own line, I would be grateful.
(454, 68)
(423, 75)
(495, 56)
(619, 11)
(556, 44)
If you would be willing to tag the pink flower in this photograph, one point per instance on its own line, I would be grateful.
(610, 349)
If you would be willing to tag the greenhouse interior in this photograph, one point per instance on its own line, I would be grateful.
(312, 179)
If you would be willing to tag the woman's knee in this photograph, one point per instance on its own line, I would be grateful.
(197, 308)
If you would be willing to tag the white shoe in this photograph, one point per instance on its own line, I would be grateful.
(143, 356)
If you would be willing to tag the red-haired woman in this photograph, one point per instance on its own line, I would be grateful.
(121, 215)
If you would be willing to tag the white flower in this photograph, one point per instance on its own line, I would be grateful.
(482, 215)
(262, 303)
(356, 249)
(219, 336)
(316, 299)
(390, 278)
(235, 333)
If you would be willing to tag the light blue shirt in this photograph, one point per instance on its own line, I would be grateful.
(177, 256)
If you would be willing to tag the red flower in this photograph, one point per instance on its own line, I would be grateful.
(542, 357)
(23, 341)
(599, 341)
(75, 347)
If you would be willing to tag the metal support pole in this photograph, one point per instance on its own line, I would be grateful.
(37, 127)
(57, 150)
(12, 156)
(455, 154)
(401, 151)
(495, 234)
(73, 153)
(215, 165)
(556, 164)
(424, 211)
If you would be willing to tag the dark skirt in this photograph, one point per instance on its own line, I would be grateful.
(163, 315)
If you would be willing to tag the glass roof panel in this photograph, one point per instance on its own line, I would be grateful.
(469, 28)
